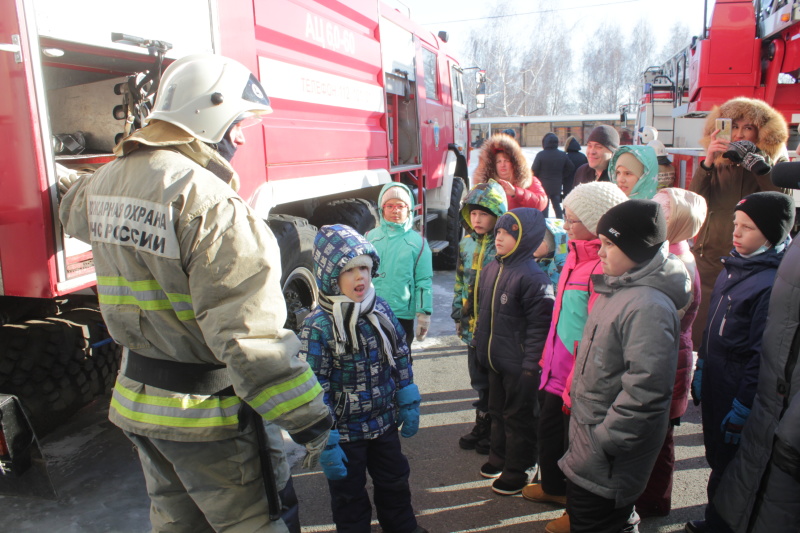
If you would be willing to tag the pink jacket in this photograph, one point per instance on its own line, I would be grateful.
(573, 302)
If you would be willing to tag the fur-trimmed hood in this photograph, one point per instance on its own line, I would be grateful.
(772, 129)
(500, 142)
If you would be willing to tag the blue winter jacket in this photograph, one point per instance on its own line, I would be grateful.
(359, 387)
(732, 339)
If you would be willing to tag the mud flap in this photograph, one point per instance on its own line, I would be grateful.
(23, 469)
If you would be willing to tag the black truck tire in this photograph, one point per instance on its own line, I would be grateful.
(358, 213)
(447, 259)
(57, 365)
(295, 238)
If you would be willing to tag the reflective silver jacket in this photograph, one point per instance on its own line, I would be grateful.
(187, 272)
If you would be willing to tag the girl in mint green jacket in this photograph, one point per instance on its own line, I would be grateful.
(405, 275)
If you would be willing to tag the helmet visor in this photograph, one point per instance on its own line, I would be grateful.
(254, 92)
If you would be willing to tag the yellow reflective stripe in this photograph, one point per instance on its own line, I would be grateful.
(174, 421)
(119, 281)
(189, 412)
(154, 301)
(292, 401)
(178, 403)
(298, 401)
(147, 305)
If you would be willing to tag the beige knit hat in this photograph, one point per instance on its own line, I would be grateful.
(396, 192)
(590, 201)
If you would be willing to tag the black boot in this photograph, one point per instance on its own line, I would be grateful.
(481, 431)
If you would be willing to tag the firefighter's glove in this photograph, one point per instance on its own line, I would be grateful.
(738, 150)
(66, 179)
(423, 323)
(408, 400)
(333, 458)
(734, 421)
(313, 450)
(458, 328)
(697, 380)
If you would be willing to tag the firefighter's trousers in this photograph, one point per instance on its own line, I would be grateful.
(210, 486)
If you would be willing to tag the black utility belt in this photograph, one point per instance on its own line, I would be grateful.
(184, 378)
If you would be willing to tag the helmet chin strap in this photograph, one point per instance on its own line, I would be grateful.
(225, 147)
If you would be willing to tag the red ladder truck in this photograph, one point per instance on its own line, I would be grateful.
(361, 96)
(749, 49)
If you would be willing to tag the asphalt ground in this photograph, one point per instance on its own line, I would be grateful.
(101, 489)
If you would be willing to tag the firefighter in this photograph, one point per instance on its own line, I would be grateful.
(188, 282)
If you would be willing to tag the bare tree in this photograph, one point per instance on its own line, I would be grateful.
(640, 54)
(680, 38)
(526, 76)
(491, 49)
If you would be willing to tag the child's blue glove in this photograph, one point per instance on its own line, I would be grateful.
(333, 458)
(734, 421)
(697, 380)
(408, 400)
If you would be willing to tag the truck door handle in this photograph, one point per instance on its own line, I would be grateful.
(14, 48)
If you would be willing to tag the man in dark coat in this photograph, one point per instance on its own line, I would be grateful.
(573, 149)
(553, 168)
(602, 143)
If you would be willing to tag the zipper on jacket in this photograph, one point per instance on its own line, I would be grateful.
(478, 277)
(588, 349)
(491, 321)
(705, 234)
(708, 334)
(725, 316)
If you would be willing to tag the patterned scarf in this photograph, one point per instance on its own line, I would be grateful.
(346, 312)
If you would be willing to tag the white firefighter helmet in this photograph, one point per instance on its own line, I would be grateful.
(659, 147)
(647, 134)
(205, 93)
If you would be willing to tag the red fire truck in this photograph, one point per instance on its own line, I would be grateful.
(361, 96)
(749, 49)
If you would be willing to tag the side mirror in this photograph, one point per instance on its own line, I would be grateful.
(480, 91)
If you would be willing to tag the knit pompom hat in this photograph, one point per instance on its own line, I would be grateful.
(590, 201)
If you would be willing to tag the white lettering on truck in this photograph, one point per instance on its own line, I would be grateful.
(329, 35)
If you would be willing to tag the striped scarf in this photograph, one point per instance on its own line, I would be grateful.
(346, 312)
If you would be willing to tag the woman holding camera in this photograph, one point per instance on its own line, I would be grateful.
(733, 168)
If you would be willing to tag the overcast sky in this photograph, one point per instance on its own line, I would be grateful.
(587, 15)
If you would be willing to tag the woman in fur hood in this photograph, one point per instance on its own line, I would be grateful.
(502, 160)
(723, 182)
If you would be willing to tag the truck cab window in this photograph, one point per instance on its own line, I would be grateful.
(429, 66)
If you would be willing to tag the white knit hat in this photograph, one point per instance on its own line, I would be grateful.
(358, 261)
(590, 201)
(397, 192)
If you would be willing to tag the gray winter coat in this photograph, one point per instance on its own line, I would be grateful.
(760, 490)
(624, 372)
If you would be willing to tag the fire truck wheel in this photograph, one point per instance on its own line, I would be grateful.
(57, 365)
(295, 238)
(447, 258)
(358, 213)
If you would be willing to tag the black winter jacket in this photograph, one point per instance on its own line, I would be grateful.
(573, 149)
(515, 301)
(552, 166)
